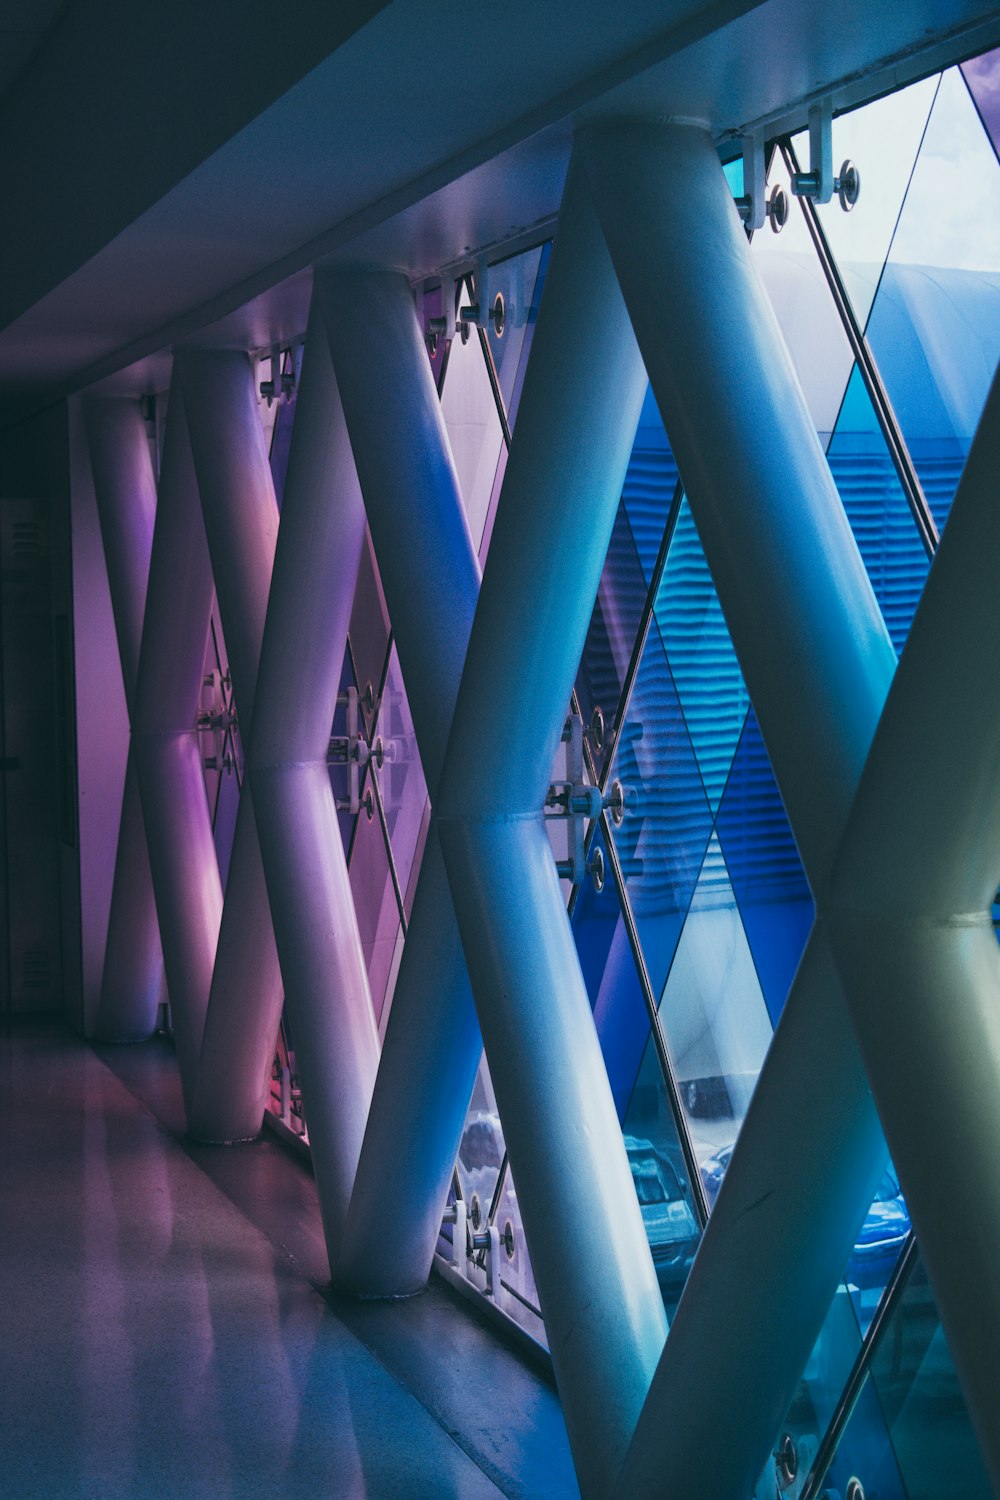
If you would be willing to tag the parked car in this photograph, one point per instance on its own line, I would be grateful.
(671, 1227)
(882, 1234)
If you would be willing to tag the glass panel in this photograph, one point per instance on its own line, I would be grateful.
(876, 507)
(519, 280)
(705, 670)
(982, 74)
(470, 415)
(909, 1437)
(621, 1015)
(805, 309)
(375, 904)
(281, 443)
(935, 324)
(667, 823)
(518, 1295)
(713, 1014)
(650, 484)
(764, 867)
(401, 778)
(368, 635)
(481, 1154)
(339, 774)
(614, 625)
(883, 139)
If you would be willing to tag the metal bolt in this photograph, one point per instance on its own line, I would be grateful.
(786, 1461)
(855, 1490)
(596, 867)
(499, 317)
(848, 189)
(508, 1239)
(616, 803)
(777, 208)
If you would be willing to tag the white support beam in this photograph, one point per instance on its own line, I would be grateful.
(241, 524)
(818, 663)
(322, 961)
(430, 574)
(593, 1269)
(125, 487)
(913, 931)
(165, 738)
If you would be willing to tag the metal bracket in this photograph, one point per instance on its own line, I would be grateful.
(483, 313)
(281, 384)
(819, 183)
(455, 1214)
(756, 206)
(352, 750)
(581, 802)
(488, 1240)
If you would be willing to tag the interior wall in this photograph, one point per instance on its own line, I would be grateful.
(41, 880)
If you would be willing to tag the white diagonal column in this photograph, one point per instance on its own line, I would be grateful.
(322, 960)
(125, 488)
(430, 574)
(913, 931)
(818, 663)
(167, 750)
(576, 422)
(241, 523)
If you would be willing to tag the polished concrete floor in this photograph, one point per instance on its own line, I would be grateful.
(165, 1329)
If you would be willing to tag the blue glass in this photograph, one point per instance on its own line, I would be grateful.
(667, 821)
(650, 484)
(712, 1012)
(472, 420)
(767, 878)
(704, 666)
(876, 507)
(482, 1151)
(614, 625)
(910, 1437)
(621, 1015)
(935, 323)
(339, 776)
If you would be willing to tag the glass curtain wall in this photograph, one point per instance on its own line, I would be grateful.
(694, 909)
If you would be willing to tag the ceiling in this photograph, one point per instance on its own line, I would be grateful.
(174, 169)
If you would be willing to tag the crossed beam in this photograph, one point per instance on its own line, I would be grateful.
(645, 1414)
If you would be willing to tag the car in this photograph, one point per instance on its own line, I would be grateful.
(882, 1235)
(670, 1224)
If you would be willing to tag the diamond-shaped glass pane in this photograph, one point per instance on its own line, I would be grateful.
(474, 430)
(705, 670)
(621, 1015)
(375, 904)
(401, 780)
(883, 139)
(667, 820)
(519, 280)
(876, 507)
(935, 323)
(766, 873)
(611, 637)
(650, 483)
(804, 306)
(481, 1153)
(368, 634)
(713, 1014)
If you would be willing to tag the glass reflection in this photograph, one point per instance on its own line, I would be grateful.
(935, 323)
(910, 1434)
(401, 780)
(805, 309)
(876, 507)
(375, 904)
(473, 423)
